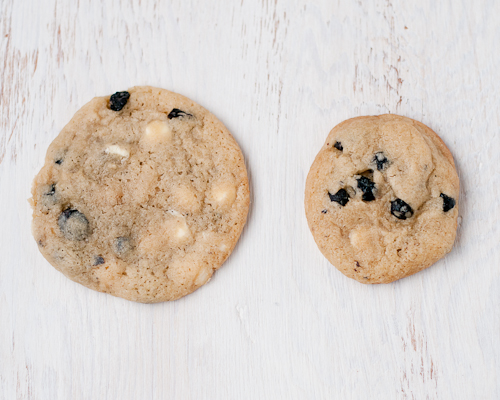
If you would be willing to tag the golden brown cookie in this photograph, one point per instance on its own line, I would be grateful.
(143, 195)
(381, 198)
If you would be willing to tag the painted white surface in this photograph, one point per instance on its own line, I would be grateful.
(277, 321)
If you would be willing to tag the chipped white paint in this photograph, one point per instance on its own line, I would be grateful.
(276, 321)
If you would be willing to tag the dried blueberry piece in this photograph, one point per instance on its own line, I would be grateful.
(341, 197)
(324, 211)
(98, 260)
(52, 190)
(59, 161)
(381, 161)
(49, 198)
(400, 209)
(118, 100)
(448, 202)
(176, 113)
(122, 245)
(73, 225)
(367, 187)
(338, 146)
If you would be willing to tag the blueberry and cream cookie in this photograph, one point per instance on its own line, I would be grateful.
(143, 195)
(381, 198)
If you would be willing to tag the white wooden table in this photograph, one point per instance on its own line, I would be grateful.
(277, 321)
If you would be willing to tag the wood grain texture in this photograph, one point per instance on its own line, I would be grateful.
(276, 321)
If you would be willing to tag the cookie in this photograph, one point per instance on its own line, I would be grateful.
(381, 198)
(143, 195)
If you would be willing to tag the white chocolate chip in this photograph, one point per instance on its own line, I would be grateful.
(174, 230)
(178, 228)
(224, 194)
(157, 132)
(367, 243)
(182, 231)
(115, 149)
(185, 197)
(203, 276)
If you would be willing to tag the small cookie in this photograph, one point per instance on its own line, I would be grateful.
(381, 198)
(143, 195)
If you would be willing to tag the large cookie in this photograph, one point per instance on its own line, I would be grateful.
(143, 195)
(381, 198)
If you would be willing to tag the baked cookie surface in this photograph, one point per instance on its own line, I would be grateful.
(381, 198)
(143, 195)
